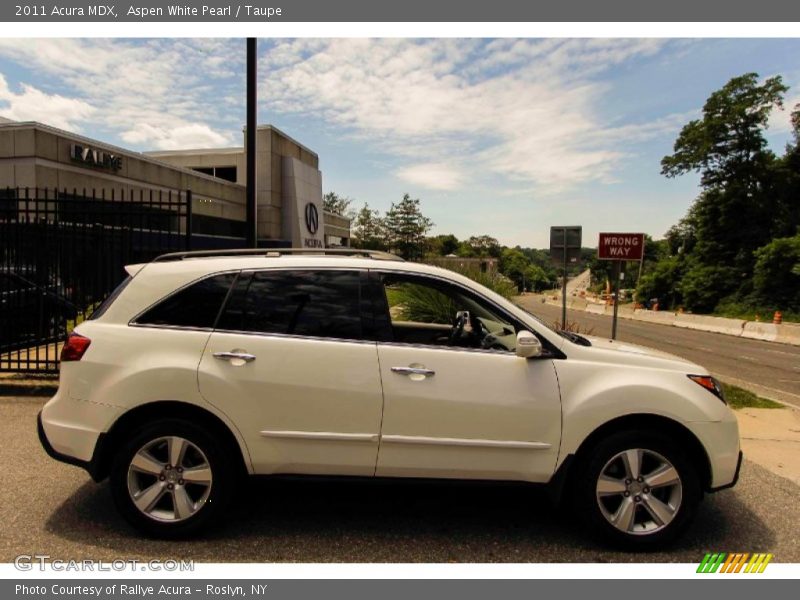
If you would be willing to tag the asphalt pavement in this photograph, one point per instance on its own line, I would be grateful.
(769, 369)
(47, 507)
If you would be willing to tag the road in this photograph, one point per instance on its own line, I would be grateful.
(766, 368)
(47, 507)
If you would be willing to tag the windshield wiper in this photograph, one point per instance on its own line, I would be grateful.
(575, 338)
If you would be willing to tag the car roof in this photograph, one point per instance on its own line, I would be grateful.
(199, 265)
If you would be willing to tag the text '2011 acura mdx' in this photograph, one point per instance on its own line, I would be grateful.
(206, 366)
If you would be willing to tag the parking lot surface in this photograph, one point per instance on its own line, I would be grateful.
(51, 508)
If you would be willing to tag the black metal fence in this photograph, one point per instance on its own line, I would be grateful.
(63, 251)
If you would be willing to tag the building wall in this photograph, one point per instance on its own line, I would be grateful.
(35, 155)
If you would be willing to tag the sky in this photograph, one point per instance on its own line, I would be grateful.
(504, 137)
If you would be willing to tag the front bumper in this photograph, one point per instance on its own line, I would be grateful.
(735, 476)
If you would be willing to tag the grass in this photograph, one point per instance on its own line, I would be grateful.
(736, 311)
(741, 398)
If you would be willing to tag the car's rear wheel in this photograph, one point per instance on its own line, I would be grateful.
(636, 489)
(172, 478)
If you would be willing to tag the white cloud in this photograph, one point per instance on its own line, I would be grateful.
(780, 121)
(433, 176)
(195, 135)
(527, 110)
(32, 104)
(153, 93)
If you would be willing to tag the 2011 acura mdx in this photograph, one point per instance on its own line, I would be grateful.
(203, 367)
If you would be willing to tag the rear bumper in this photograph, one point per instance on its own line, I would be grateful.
(91, 466)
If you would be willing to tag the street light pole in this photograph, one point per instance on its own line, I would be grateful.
(251, 225)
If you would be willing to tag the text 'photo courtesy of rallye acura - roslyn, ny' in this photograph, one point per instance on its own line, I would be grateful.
(205, 367)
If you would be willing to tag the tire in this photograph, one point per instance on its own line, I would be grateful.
(152, 494)
(625, 511)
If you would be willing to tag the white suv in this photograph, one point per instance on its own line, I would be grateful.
(206, 366)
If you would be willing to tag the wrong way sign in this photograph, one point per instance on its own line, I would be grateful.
(620, 246)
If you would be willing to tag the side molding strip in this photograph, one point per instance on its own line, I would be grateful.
(438, 441)
(323, 435)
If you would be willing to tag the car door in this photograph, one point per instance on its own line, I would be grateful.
(465, 407)
(289, 363)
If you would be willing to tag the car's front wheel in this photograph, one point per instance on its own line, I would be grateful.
(172, 478)
(636, 489)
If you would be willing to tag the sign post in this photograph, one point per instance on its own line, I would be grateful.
(565, 247)
(619, 247)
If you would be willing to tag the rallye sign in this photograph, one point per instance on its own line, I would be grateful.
(620, 246)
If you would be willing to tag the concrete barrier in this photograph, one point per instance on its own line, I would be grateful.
(761, 331)
(733, 327)
(789, 333)
(786, 333)
(596, 309)
(662, 317)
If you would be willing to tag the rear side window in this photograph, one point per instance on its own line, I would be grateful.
(194, 306)
(309, 303)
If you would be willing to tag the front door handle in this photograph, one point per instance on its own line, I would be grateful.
(235, 356)
(413, 371)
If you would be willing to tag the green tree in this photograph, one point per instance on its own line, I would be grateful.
(368, 230)
(776, 277)
(338, 205)
(735, 212)
(484, 245)
(442, 245)
(727, 145)
(514, 265)
(406, 227)
(662, 281)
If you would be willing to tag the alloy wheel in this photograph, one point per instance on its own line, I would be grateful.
(169, 479)
(639, 491)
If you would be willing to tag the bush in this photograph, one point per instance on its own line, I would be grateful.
(776, 275)
(703, 286)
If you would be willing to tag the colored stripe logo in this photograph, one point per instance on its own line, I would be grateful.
(735, 562)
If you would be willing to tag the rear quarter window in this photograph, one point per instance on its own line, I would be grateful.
(195, 306)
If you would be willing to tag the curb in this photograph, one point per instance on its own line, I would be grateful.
(27, 389)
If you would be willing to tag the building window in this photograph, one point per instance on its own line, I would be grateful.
(226, 173)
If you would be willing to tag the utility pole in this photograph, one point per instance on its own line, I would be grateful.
(564, 287)
(251, 225)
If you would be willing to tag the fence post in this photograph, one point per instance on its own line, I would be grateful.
(188, 219)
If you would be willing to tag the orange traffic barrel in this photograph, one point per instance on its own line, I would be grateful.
(777, 318)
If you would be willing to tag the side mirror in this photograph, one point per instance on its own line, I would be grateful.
(528, 345)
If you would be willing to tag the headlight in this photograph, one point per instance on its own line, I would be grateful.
(709, 383)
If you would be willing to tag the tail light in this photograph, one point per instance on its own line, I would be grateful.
(75, 347)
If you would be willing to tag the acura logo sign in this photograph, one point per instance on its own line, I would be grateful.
(312, 218)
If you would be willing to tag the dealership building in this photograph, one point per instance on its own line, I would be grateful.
(288, 181)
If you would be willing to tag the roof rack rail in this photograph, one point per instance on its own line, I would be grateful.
(277, 252)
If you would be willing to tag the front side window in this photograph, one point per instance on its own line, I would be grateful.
(432, 312)
(195, 306)
(323, 303)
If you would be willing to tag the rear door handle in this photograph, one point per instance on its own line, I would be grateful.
(235, 356)
(413, 371)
